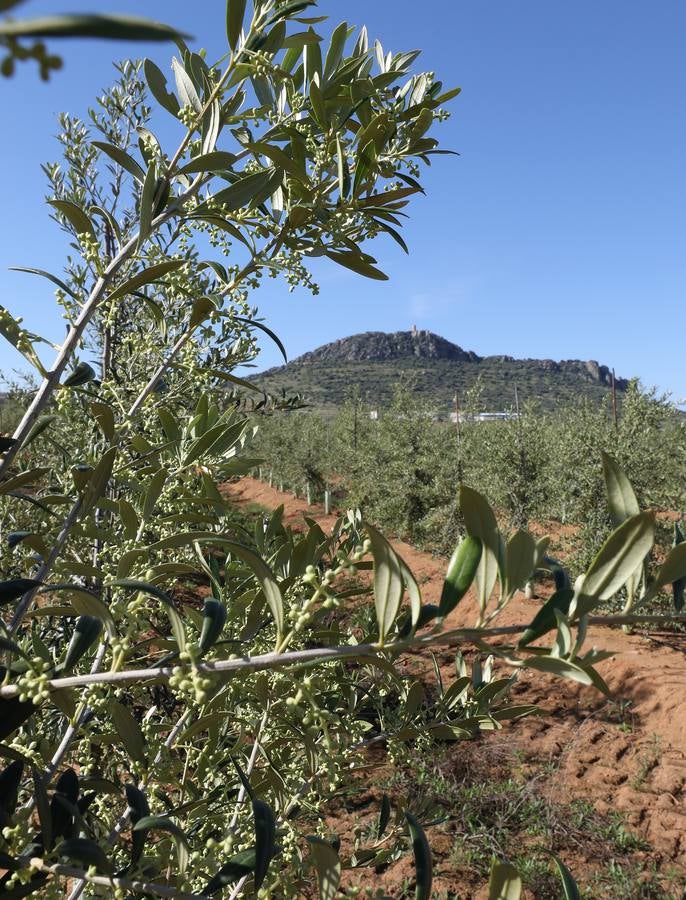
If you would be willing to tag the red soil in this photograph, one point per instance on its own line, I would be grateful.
(638, 769)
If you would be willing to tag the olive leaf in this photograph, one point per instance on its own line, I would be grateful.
(327, 866)
(505, 883)
(462, 570)
(164, 824)
(422, 858)
(87, 852)
(388, 582)
(265, 839)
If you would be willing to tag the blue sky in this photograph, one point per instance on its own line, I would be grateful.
(559, 232)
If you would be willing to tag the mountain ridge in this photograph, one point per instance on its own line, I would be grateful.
(372, 361)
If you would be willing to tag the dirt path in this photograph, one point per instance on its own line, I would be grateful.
(626, 755)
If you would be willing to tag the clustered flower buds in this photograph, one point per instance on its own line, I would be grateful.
(33, 684)
(187, 680)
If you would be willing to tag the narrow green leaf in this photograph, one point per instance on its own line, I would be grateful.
(98, 481)
(201, 310)
(152, 494)
(158, 88)
(86, 633)
(104, 416)
(312, 61)
(170, 425)
(397, 237)
(86, 852)
(131, 584)
(336, 49)
(162, 823)
(262, 327)
(388, 582)
(23, 479)
(569, 885)
(385, 198)
(265, 839)
(110, 27)
(147, 204)
(343, 170)
(11, 646)
(82, 374)
(147, 276)
(185, 87)
(413, 591)
(384, 815)
(620, 494)
(556, 666)
(76, 217)
(15, 588)
(235, 13)
(128, 163)
(505, 883)
(237, 867)
(545, 619)
(128, 730)
(327, 865)
(479, 518)
(318, 106)
(422, 858)
(138, 804)
(366, 159)
(10, 779)
(265, 576)
(55, 280)
(289, 9)
(462, 570)
(356, 263)
(673, 569)
(211, 127)
(214, 619)
(281, 158)
(619, 557)
(42, 807)
(520, 561)
(249, 191)
(217, 161)
(39, 427)
(87, 604)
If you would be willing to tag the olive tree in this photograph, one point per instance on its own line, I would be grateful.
(180, 700)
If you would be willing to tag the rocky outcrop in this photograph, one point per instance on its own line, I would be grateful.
(373, 362)
(379, 346)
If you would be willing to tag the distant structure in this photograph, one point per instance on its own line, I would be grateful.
(482, 417)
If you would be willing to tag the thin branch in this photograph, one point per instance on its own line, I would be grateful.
(123, 819)
(130, 884)
(27, 599)
(268, 661)
(251, 765)
(51, 380)
(185, 337)
(74, 727)
(155, 380)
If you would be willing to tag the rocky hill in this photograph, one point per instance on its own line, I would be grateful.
(434, 368)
